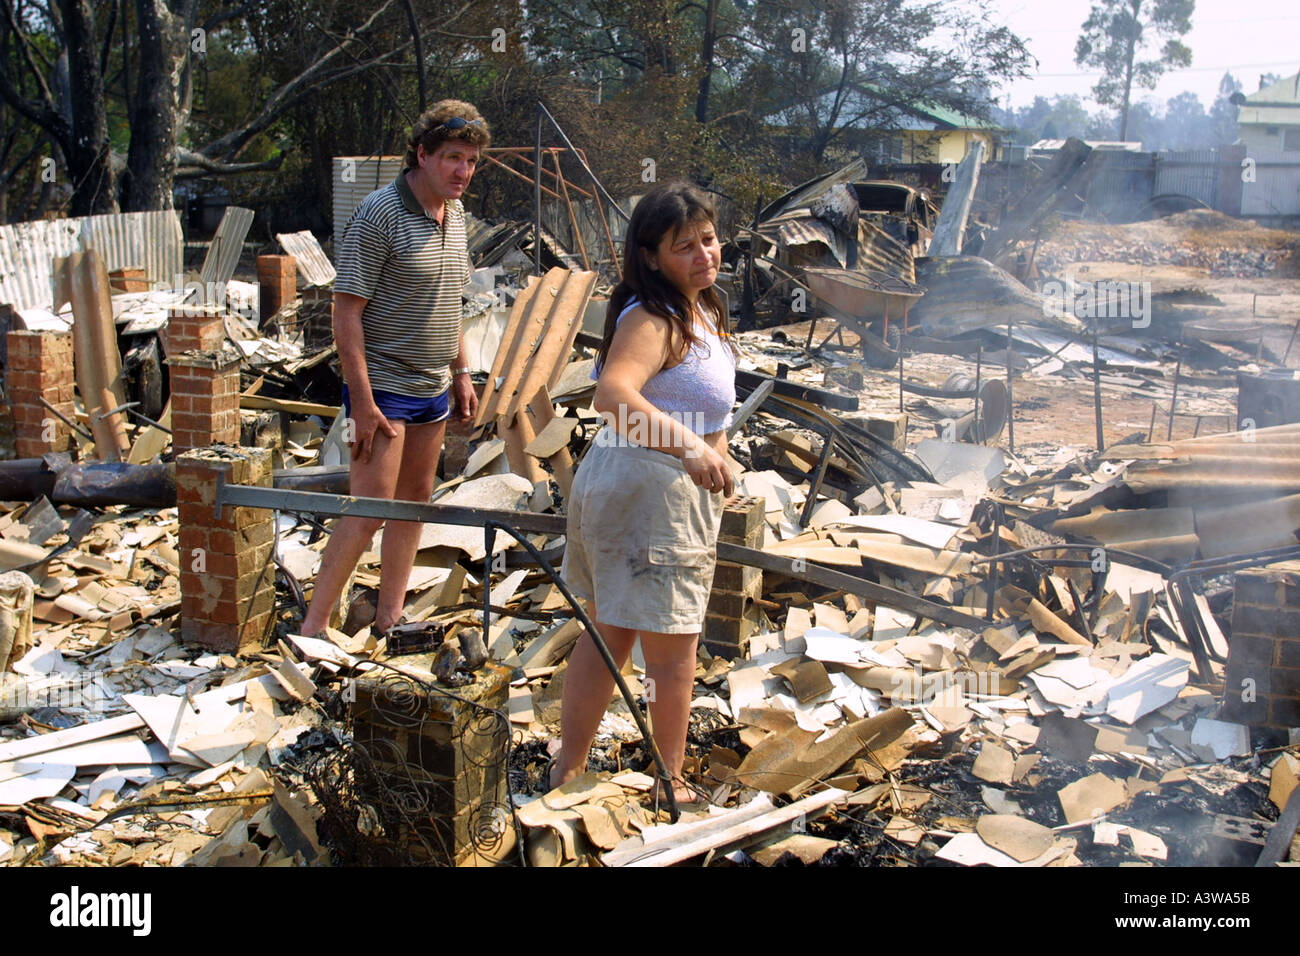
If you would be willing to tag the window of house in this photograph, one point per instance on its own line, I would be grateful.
(1291, 139)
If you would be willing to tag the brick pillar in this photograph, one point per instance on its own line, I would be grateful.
(205, 399)
(1262, 682)
(199, 328)
(227, 575)
(40, 366)
(277, 277)
(733, 613)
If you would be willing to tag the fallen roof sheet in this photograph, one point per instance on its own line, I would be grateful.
(314, 265)
(223, 252)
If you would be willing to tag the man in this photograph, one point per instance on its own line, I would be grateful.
(402, 263)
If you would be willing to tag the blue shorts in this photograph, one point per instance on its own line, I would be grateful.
(405, 408)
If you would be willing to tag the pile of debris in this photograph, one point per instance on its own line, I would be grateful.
(1200, 239)
(921, 648)
(865, 660)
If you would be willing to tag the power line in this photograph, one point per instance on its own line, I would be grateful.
(1195, 24)
(1190, 69)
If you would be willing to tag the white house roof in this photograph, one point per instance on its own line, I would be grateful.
(1275, 105)
(1051, 145)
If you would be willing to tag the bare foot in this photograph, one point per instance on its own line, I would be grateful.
(687, 797)
(557, 776)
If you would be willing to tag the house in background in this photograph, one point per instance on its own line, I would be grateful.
(911, 133)
(1268, 123)
(1269, 119)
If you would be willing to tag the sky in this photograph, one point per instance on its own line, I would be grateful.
(1245, 37)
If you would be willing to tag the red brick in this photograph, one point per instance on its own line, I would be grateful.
(231, 542)
(188, 421)
(234, 565)
(22, 380)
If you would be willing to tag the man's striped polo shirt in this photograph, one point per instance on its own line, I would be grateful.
(411, 272)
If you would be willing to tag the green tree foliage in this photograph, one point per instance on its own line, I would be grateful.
(744, 96)
(1115, 37)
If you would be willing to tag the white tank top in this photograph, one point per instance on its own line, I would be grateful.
(700, 390)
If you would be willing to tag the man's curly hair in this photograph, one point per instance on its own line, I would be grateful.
(429, 132)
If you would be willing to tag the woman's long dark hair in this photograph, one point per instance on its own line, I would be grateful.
(662, 211)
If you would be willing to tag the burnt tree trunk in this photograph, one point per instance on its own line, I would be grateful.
(160, 105)
(89, 160)
(706, 57)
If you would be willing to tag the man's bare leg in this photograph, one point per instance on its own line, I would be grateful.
(415, 480)
(376, 478)
(588, 686)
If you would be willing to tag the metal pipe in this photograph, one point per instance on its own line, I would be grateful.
(537, 194)
(67, 421)
(573, 219)
(1137, 560)
(824, 459)
(1096, 389)
(977, 430)
(901, 352)
(543, 111)
(993, 571)
(1011, 397)
(1173, 400)
(528, 179)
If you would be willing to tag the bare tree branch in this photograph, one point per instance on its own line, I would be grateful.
(287, 93)
(26, 48)
(192, 165)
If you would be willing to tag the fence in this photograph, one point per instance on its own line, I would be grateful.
(1121, 187)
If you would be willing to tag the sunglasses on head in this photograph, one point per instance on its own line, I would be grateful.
(455, 123)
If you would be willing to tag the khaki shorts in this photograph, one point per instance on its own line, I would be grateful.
(641, 539)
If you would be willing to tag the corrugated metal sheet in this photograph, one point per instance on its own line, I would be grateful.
(1276, 189)
(801, 195)
(1193, 173)
(797, 228)
(877, 249)
(223, 253)
(151, 241)
(1267, 460)
(314, 265)
(356, 177)
(802, 238)
(476, 230)
(1121, 184)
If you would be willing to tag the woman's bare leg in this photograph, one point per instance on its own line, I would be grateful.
(588, 686)
(670, 681)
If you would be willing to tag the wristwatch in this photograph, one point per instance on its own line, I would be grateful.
(461, 371)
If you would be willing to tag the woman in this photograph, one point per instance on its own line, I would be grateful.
(645, 506)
